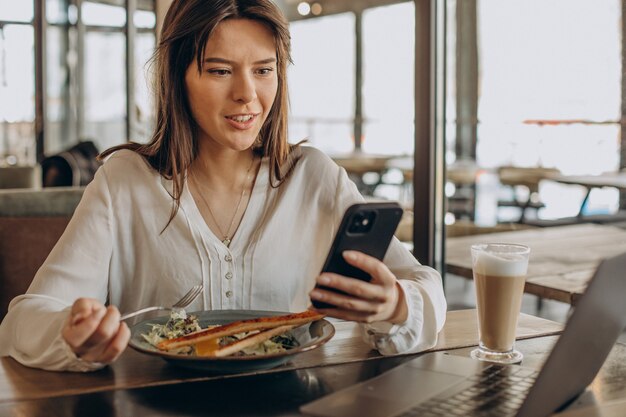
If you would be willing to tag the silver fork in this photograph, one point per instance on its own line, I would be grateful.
(182, 303)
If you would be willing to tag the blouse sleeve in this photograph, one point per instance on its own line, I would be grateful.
(422, 287)
(423, 292)
(78, 266)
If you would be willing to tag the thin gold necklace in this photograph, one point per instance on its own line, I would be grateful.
(227, 238)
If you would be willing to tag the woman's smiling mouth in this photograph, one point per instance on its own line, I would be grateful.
(241, 121)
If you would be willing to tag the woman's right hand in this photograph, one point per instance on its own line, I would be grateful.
(94, 332)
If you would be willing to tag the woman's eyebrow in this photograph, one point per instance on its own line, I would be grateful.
(226, 61)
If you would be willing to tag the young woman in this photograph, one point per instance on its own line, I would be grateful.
(219, 198)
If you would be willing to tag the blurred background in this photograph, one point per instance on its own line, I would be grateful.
(520, 97)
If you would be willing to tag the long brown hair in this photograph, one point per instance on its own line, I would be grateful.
(187, 27)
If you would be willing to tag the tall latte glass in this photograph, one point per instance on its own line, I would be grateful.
(499, 275)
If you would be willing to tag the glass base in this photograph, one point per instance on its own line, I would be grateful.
(510, 357)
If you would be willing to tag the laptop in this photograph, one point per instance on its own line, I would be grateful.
(438, 384)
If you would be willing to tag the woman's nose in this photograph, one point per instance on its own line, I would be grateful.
(244, 89)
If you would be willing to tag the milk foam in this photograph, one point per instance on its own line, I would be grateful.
(503, 265)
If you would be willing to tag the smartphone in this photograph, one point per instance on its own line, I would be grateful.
(367, 228)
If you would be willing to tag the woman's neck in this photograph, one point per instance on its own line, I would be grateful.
(222, 170)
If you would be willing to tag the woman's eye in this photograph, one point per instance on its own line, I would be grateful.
(265, 71)
(218, 71)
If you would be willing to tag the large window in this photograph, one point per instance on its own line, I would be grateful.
(86, 79)
(321, 82)
(389, 79)
(558, 74)
(17, 111)
(105, 88)
(144, 103)
(61, 116)
(17, 11)
(549, 95)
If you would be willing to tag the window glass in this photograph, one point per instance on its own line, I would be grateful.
(388, 79)
(450, 80)
(105, 88)
(144, 48)
(321, 82)
(548, 97)
(17, 95)
(557, 91)
(56, 11)
(103, 15)
(60, 125)
(17, 11)
(144, 19)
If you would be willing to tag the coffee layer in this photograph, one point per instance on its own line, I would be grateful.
(498, 300)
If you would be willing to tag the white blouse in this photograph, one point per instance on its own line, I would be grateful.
(116, 250)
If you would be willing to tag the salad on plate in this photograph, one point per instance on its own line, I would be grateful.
(183, 335)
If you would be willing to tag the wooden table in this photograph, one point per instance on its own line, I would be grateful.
(143, 385)
(562, 259)
(358, 164)
(368, 171)
(613, 180)
(362, 163)
(528, 177)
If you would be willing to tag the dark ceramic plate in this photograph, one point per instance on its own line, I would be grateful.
(310, 336)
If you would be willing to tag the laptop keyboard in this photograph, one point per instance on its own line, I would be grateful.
(496, 391)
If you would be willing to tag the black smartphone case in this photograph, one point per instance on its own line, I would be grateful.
(374, 241)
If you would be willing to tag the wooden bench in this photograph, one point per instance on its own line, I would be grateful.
(31, 222)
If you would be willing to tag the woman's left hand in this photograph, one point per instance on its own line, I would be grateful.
(381, 299)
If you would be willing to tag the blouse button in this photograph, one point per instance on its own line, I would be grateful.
(228, 258)
(229, 294)
(229, 275)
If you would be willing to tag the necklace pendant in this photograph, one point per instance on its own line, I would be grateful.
(226, 241)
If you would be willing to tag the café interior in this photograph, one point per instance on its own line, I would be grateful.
(487, 121)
